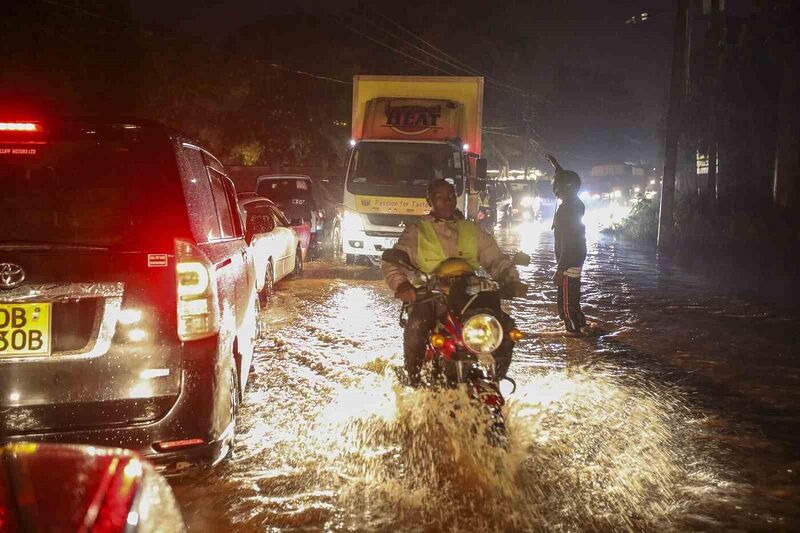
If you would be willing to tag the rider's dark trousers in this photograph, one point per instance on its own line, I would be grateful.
(569, 303)
(421, 319)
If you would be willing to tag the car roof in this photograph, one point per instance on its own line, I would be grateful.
(284, 177)
(250, 197)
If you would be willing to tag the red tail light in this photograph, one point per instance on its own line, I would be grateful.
(20, 126)
(198, 314)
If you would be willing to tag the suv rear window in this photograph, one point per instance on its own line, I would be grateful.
(280, 190)
(89, 192)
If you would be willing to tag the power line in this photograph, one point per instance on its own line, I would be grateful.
(464, 66)
(390, 47)
(426, 52)
(303, 73)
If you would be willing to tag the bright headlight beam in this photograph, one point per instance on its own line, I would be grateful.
(482, 333)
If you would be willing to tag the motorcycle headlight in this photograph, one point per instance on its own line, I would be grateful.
(482, 333)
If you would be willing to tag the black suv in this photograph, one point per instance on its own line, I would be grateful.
(128, 310)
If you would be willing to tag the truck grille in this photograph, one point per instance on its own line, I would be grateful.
(391, 220)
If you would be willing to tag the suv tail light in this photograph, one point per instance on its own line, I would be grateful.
(198, 315)
(19, 126)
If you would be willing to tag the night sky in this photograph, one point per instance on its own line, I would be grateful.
(572, 32)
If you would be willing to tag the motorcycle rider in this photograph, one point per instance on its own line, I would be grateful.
(440, 235)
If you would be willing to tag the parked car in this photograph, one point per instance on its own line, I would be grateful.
(128, 309)
(60, 487)
(276, 247)
(296, 197)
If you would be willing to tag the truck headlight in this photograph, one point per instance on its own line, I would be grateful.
(482, 333)
(352, 221)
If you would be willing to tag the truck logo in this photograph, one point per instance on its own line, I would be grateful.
(412, 120)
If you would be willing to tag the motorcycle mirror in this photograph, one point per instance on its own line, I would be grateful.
(397, 257)
(521, 259)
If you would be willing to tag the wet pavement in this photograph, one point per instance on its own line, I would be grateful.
(679, 412)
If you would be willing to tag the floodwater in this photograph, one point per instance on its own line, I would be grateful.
(679, 413)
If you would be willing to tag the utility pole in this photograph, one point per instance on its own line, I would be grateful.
(666, 217)
(526, 135)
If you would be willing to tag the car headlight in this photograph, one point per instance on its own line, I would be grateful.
(527, 201)
(352, 221)
(482, 333)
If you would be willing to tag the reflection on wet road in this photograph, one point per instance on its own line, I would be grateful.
(679, 414)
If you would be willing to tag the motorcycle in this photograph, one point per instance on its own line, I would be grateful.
(459, 352)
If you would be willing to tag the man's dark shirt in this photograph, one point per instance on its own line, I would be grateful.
(570, 234)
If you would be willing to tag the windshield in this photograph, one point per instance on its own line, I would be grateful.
(403, 169)
(83, 193)
(281, 189)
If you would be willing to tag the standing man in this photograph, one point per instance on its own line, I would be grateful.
(570, 246)
(436, 237)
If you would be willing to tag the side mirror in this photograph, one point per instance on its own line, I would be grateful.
(397, 257)
(480, 168)
(521, 259)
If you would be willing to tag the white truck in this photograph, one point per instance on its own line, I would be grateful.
(406, 131)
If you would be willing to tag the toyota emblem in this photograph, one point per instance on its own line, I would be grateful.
(11, 275)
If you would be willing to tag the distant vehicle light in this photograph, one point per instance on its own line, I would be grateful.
(637, 190)
(19, 126)
(585, 195)
(465, 147)
(652, 182)
(526, 201)
(617, 193)
(352, 143)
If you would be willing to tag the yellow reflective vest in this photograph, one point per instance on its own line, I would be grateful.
(430, 252)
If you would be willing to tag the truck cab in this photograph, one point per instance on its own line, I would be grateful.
(407, 132)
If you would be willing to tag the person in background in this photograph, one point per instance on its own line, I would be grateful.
(570, 247)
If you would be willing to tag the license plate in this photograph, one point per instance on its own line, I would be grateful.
(298, 202)
(24, 329)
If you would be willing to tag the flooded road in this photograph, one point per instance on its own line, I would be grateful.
(680, 413)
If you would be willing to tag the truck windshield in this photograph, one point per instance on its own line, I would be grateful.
(403, 169)
(84, 193)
